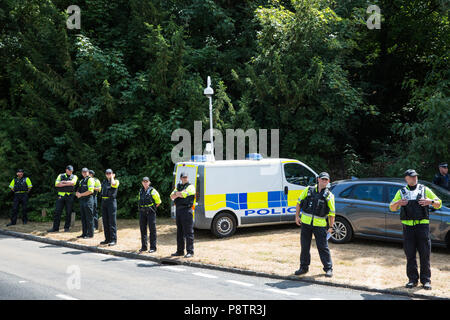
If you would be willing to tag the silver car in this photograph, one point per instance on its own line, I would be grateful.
(362, 210)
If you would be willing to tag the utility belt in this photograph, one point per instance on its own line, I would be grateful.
(146, 206)
(108, 198)
(147, 209)
(65, 194)
(183, 208)
(16, 192)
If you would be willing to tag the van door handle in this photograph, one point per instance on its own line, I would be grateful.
(286, 190)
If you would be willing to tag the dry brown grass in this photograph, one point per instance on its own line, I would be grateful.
(275, 250)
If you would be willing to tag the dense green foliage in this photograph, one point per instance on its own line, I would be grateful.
(346, 99)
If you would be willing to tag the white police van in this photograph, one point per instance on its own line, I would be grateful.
(242, 193)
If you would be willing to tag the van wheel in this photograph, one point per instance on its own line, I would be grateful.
(342, 231)
(224, 225)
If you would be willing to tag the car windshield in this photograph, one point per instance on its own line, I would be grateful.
(441, 193)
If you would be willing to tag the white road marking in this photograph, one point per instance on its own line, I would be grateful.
(205, 275)
(174, 268)
(23, 281)
(240, 283)
(282, 292)
(63, 296)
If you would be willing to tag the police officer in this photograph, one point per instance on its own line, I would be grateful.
(414, 201)
(65, 185)
(97, 189)
(85, 193)
(442, 179)
(21, 187)
(149, 200)
(109, 207)
(315, 204)
(183, 196)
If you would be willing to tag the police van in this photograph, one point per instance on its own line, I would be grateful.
(241, 193)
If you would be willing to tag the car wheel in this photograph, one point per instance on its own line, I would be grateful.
(224, 225)
(342, 231)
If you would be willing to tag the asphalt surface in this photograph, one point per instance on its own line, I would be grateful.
(32, 270)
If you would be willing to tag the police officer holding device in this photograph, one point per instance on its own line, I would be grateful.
(183, 196)
(149, 200)
(414, 201)
(316, 204)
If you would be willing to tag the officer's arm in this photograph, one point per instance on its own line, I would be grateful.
(115, 184)
(156, 197)
(58, 182)
(190, 191)
(299, 201)
(332, 207)
(395, 205)
(97, 186)
(29, 185)
(90, 190)
(11, 185)
(173, 196)
(68, 183)
(430, 195)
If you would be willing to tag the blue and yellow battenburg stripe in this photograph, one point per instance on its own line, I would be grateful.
(251, 200)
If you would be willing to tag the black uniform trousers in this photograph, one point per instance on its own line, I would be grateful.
(320, 234)
(147, 217)
(19, 199)
(109, 214)
(417, 238)
(185, 229)
(67, 202)
(95, 213)
(87, 215)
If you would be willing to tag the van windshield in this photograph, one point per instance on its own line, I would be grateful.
(297, 174)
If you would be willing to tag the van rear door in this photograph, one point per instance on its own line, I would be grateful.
(191, 170)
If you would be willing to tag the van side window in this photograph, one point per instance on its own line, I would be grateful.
(299, 175)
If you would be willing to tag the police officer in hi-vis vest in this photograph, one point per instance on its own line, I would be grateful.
(21, 187)
(85, 194)
(65, 185)
(109, 207)
(149, 200)
(413, 201)
(316, 204)
(183, 196)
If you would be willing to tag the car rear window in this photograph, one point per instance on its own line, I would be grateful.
(368, 192)
(346, 193)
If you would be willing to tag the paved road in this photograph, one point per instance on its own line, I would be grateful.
(34, 270)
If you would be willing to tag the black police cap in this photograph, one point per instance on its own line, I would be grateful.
(411, 173)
